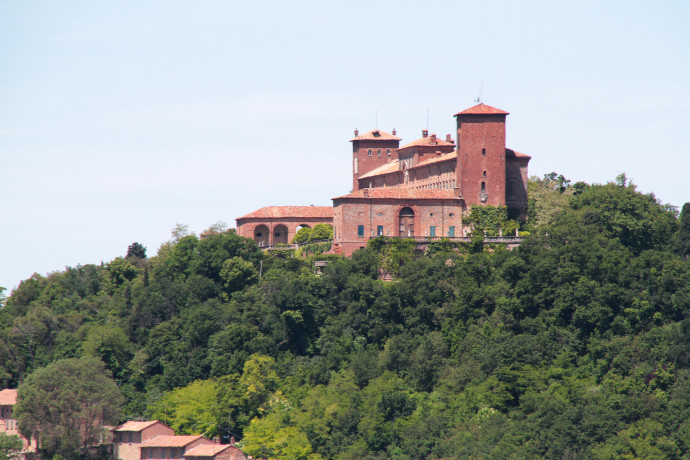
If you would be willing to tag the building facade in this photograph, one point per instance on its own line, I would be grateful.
(420, 190)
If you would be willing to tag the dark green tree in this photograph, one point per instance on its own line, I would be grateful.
(136, 250)
(66, 404)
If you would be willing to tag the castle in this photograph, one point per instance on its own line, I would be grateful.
(419, 190)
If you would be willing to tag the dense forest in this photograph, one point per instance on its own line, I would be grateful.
(575, 345)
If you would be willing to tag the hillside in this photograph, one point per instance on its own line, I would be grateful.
(574, 345)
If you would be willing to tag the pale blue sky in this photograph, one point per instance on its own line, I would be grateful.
(119, 119)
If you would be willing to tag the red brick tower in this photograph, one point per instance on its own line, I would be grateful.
(481, 168)
(371, 150)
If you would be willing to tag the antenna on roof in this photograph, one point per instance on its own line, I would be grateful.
(481, 94)
(427, 118)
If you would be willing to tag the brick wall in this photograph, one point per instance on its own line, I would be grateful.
(481, 158)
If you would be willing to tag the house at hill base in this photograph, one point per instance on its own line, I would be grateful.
(8, 424)
(153, 439)
(421, 190)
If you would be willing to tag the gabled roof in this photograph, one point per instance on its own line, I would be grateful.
(278, 212)
(383, 169)
(482, 109)
(8, 397)
(375, 135)
(136, 426)
(207, 450)
(436, 158)
(402, 193)
(428, 141)
(170, 441)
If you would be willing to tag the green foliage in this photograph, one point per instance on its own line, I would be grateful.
(136, 250)
(574, 345)
(188, 410)
(321, 232)
(66, 404)
(10, 446)
(682, 237)
(302, 235)
(491, 220)
(237, 273)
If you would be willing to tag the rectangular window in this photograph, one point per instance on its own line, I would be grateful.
(360, 231)
(379, 230)
(451, 231)
(432, 230)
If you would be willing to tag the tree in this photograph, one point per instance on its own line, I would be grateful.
(321, 232)
(10, 446)
(682, 236)
(136, 250)
(67, 403)
(302, 235)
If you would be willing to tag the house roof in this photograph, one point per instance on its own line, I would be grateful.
(136, 426)
(402, 193)
(428, 141)
(8, 397)
(482, 109)
(277, 212)
(388, 168)
(206, 450)
(438, 159)
(375, 135)
(170, 441)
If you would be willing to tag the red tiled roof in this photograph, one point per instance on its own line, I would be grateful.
(206, 450)
(402, 193)
(8, 397)
(482, 109)
(375, 135)
(438, 159)
(383, 169)
(170, 441)
(277, 212)
(136, 426)
(511, 152)
(426, 142)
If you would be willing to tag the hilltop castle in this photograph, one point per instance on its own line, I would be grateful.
(421, 189)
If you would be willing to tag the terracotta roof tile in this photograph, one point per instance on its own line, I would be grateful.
(428, 141)
(8, 397)
(206, 450)
(383, 169)
(375, 135)
(170, 441)
(136, 426)
(482, 109)
(401, 193)
(277, 212)
(438, 159)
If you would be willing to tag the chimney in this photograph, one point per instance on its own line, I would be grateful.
(425, 133)
(365, 192)
(394, 133)
(356, 132)
(448, 138)
(433, 138)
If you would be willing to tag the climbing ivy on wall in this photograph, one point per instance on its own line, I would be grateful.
(490, 219)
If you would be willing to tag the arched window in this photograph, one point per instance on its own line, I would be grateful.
(378, 153)
(369, 152)
(483, 151)
(483, 186)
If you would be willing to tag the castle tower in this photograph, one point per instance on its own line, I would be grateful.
(481, 167)
(371, 150)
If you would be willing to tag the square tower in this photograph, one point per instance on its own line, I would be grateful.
(481, 167)
(371, 150)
